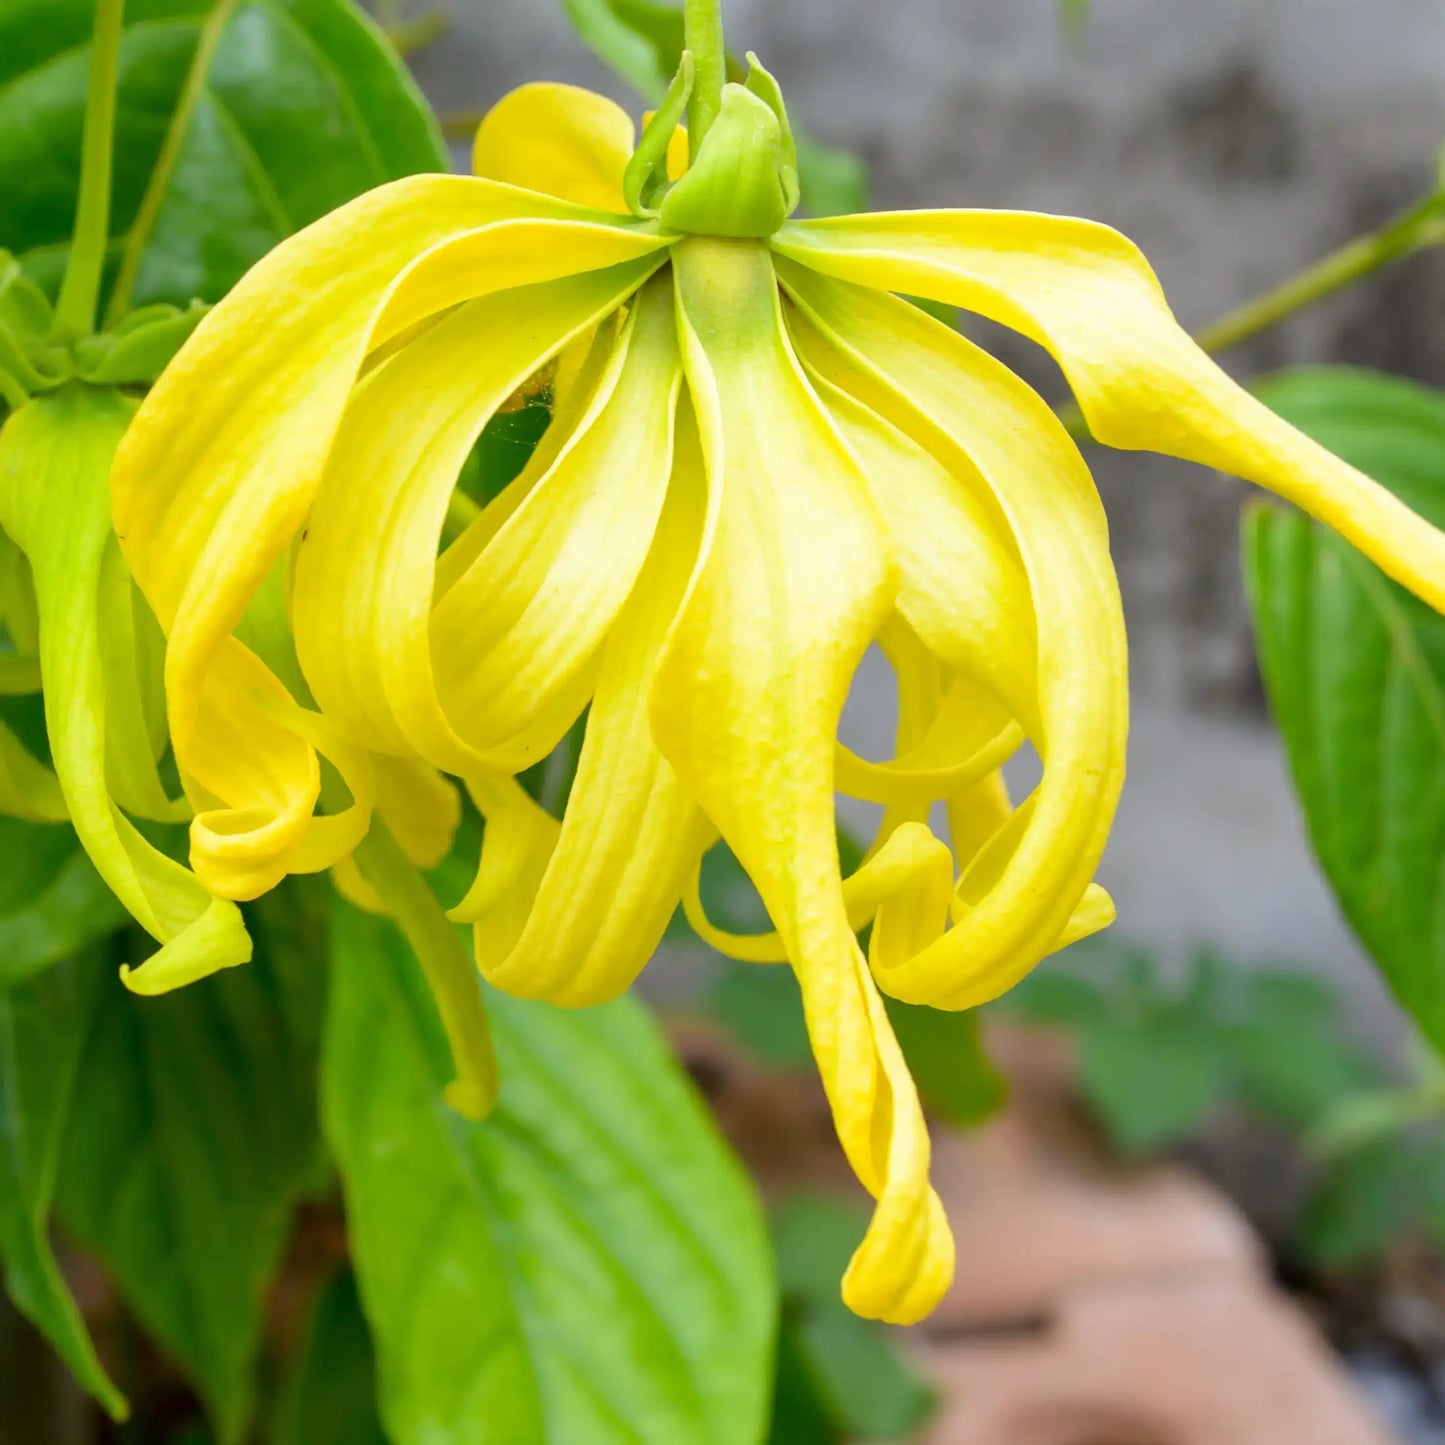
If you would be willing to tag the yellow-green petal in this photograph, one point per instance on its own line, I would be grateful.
(793, 584)
(1016, 897)
(55, 458)
(1087, 294)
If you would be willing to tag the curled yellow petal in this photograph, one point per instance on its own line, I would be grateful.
(399, 675)
(792, 585)
(1087, 294)
(55, 457)
(631, 832)
(1016, 897)
(218, 471)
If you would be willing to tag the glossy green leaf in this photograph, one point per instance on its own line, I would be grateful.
(239, 121)
(193, 1130)
(43, 1029)
(1355, 669)
(52, 901)
(587, 1265)
(329, 1397)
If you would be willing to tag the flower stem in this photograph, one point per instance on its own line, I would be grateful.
(75, 309)
(444, 960)
(703, 29)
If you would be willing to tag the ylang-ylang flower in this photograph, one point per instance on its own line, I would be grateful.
(761, 460)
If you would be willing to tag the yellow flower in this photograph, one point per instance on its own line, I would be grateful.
(760, 461)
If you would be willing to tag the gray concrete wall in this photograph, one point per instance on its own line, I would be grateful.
(1235, 140)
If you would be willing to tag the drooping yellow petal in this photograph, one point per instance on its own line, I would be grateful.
(990, 430)
(793, 584)
(631, 832)
(222, 462)
(1087, 294)
(519, 629)
(378, 660)
(55, 457)
(558, 139)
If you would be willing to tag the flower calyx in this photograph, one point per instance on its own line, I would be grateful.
(743, 178)
(33, 360)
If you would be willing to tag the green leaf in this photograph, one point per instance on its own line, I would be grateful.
(330, 1396)
(193, 1131)
(43, 1026)
(1152, 1084)
(239, 121)
(52, 901)
(586, 1265)
(1355, 669)
(858, 1380)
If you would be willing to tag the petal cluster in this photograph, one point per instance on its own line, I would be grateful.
(761, 462)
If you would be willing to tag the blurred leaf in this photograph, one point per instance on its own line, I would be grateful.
(839, 1367)
(1151, 1085)
(1074, 16)
(800, 1414)
(266, 114)
(588, 1264)
(762, 1008)
(192, 1133)
(1362, 1203)
(52, 901)
(43, 1028)
(329, 1398)
(1355, 668)
(947, 1060)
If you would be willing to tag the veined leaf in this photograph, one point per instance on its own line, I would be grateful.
(239, 121)
(1355, 668)
(192, 1132)
(43, 1027)
(588, 1264)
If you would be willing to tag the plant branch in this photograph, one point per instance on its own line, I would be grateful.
(80, 290)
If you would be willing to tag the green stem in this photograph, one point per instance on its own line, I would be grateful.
(1422, 226)
(75, 310)
(449, 970)
(166, 161)
(703, 29)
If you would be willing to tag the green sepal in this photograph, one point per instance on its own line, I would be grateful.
(762, 84)
(737, 184)
(24, 308)
(645, 180)
(140, 348)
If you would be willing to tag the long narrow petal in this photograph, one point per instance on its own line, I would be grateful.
(363, 590)
(793, 584)
(985, 425)
(217, 472)
(55, 457)
(520, 627)
(631, 833)
(1087, 294)
(558, 139)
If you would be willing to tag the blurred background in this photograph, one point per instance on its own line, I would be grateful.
(1235, 141)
